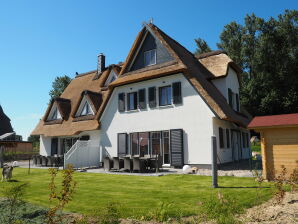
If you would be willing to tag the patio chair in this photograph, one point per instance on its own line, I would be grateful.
(50, 160)
(139, 164)
(117, 163)
(107, 163)
(55, 161)
(38, 160)
(34, 159)
(128, 164)
(156, 162)
(44, 161)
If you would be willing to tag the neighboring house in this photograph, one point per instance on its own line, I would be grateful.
(5, 126)
(162, 100)
(279, 143)
(10, 142)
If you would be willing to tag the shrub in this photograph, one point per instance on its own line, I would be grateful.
(13, 194)
(221, 209)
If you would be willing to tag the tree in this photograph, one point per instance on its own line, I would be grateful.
(202, 46)
(59, 85)
(267, 52)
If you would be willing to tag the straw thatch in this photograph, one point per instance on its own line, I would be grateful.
(199, 74)
(199, 71)
(86, 84)
(218, 63)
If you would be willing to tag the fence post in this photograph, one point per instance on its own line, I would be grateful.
(1, 156)
(214, 162)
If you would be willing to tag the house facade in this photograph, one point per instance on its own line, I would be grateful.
(163, 100)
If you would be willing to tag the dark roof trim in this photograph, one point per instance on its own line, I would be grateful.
(211, 53)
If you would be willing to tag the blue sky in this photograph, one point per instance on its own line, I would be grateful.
(40, 40)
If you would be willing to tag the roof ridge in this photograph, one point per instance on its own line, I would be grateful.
(211, 53)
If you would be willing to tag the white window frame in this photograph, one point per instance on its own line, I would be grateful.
(82, 106)
(150, 62)
(54, 114)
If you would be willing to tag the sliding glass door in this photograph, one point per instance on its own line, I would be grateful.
(166, 147)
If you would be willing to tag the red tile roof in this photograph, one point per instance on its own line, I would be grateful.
(274, 120)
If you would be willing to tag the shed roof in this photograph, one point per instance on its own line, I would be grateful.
(274, 121)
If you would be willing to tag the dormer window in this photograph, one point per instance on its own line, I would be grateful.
(150, 57)
(54, 114)
(86, 110)
(111, 78)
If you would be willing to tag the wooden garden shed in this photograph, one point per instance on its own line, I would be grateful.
(279, 142)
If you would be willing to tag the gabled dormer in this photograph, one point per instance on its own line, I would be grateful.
(112, 76)
(54, 113)
(149, 51)
(87, 106)
(58, 111)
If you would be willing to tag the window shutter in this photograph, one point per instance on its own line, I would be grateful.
(228, 137)
(237, 102)
(152, 97)
(221, 140)
(230, 93)
(122, 144)
(177, 98)
(121, 102)
(176, 146)
(135, 99)
(142, 99)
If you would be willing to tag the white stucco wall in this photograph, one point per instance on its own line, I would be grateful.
(230, 81)
(193, 116)
(45, 146)
(45, 142)
(225, 154)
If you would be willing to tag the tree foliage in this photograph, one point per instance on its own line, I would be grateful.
(59, 85)
(267, 51)
(202, 46)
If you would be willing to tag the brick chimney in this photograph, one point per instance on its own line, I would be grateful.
(101, 63)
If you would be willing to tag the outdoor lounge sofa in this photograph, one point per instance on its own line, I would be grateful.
(118, 163)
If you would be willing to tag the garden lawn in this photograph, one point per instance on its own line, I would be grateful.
(138, 196)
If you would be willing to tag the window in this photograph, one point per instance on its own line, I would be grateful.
(243, 140)
(134, 137)
(54, 114)
(228, 137)
(122, 144)
(132, 103)
(142, 99)
(150, 57)
(230, 93)
(166, 147)
(165, 95)
(86, 109)
(121, 102)
(237, 103)
(144, 143)
(221, 139)
(152, 97)
(156, 143)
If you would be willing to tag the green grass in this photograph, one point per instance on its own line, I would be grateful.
(140, 195)
(256, 147)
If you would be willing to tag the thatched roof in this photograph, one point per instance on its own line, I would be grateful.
(5, 126)
(218, 62)
(199, 74)
(199, 71)
(89, 84)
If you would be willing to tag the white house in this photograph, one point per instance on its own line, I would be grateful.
(162, 100)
